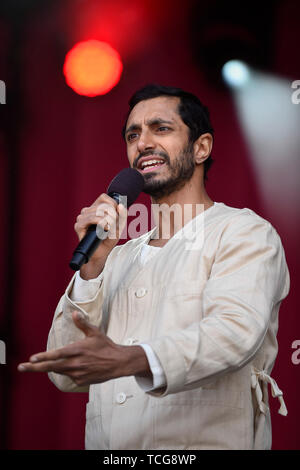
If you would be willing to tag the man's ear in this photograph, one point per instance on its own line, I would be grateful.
(202, 147)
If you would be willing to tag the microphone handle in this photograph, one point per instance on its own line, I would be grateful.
(90, 242)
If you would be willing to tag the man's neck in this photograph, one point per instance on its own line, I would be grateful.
(172, 212)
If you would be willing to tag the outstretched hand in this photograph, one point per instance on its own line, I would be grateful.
(94, 359)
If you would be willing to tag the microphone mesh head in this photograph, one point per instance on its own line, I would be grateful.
(129, 182)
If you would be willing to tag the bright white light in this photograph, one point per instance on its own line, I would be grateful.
(235, 73)
(271, 122)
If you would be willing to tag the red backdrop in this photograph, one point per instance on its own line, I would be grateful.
(70, 148)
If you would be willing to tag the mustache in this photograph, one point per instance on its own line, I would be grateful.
(163, 155)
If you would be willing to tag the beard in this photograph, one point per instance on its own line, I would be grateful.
(181, 170)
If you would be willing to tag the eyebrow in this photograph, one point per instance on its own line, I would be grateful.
(152, 122)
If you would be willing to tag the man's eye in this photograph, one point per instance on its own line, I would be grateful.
(131, 137)
(163, 128)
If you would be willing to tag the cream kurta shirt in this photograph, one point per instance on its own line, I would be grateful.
(209, 310)
(85, 290)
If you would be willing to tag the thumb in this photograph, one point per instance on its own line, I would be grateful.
(83, 325)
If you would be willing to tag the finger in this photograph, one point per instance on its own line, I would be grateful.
(108, 216)
(84, 209)
(85, 212)
(108, 224)
(106, 220)
(122, 211)
(56, 354)
(46, 366)
(82, 225)
(103, 209)
(104, 198)
(59, 367)
(89, 218)
(123, 214)
(102, 219)
(81, 323)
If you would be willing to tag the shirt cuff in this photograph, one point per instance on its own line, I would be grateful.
(159, 378)
(84, 290)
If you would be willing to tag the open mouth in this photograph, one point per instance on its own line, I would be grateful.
(150, 165)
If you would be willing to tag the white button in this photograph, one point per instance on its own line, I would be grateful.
(121, 398)
(140, 292)
(131, 341)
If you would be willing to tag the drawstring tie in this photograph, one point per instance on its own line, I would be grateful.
(257, 375)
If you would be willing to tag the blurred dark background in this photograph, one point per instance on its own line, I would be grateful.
(59, 150)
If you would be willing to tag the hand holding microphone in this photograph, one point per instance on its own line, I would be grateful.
(106, 215)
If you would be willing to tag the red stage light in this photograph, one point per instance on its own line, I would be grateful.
(92, 68)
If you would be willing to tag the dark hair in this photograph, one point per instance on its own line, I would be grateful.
(193, 113)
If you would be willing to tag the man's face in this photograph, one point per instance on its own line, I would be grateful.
(158, 145)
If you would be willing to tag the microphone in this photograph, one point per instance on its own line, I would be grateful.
(129, 183)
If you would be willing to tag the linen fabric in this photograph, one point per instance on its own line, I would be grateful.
(209, 311)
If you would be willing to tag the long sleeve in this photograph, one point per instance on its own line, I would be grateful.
(158, 379)
(84, 290)
(63, 331)
(87, 297)
(248, 279)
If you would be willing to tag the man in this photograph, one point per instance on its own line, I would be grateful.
(174, 339)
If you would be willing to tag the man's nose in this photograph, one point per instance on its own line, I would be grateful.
(145, 142)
